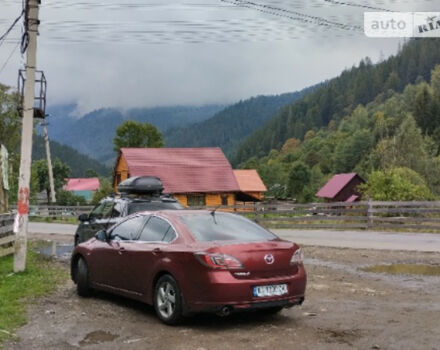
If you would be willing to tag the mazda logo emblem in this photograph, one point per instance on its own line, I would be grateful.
(269, 259)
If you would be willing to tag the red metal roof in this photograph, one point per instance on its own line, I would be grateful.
(78, 184)
(183, 170)
(249, 181)
(335, 185)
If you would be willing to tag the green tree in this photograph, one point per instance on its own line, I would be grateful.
(91, 173)
(424, 110)
(134, 134)
(435, 82)
(10, 123)
(299, 179)
(104, 190)
(40, 176)
(396, 184)
(70, 199)
(351, 150)
(10, 126)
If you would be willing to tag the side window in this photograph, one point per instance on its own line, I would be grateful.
(170, 235)
(102, 210)
(157, 230)
(128, 230)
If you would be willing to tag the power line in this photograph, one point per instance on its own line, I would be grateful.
(12, 53)
(301, 16)
(335, 2)
(11, 27)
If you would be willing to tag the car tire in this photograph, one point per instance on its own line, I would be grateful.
(271, 310)
(168, 300)
(82, 279)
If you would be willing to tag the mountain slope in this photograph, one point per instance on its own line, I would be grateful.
(93, 133)
(340, 96)
(79, 163)
(230, 126)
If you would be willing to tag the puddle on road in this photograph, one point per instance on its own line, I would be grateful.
(54, 249)
(97, 337)
(405, 269)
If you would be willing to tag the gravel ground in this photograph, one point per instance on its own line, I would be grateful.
(345, 308)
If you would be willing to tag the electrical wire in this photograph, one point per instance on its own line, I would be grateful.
(9, 57)
(301, 16)
(335, 2)
(11, 27)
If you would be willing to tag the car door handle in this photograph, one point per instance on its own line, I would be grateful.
(122, 250)
(156, 251)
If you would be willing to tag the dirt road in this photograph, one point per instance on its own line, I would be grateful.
(345, 308)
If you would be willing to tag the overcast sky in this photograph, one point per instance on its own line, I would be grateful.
(136, 53)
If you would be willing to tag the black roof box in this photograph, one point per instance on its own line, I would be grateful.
(141, 185)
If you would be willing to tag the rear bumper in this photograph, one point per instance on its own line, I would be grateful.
(225, 290)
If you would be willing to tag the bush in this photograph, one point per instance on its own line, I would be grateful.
(396, 184)
(69, 199)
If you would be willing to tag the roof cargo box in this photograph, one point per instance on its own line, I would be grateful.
(141, 185)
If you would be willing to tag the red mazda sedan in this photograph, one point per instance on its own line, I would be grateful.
(190, 261)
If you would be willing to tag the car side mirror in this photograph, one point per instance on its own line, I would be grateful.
(83, 217)
(101, 236)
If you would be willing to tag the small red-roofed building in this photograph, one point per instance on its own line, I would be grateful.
(341, 188)
(84, 187)
(194, 176)
(251, 186)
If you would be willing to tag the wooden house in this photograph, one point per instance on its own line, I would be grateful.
(195, 176)
(341, 188)
(251, 186)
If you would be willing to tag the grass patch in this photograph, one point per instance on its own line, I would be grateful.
(61, 220)
(42, 276)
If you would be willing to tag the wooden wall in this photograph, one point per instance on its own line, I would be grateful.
(211, 199)
(121, 172)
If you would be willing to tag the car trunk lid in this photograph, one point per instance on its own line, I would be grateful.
(262, 259)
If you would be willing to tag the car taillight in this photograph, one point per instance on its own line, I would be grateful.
(297, 257)
(218, 261)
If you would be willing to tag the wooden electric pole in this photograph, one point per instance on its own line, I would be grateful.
(32, 8)
(49, 162)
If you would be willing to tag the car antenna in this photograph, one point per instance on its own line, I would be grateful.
(213, 213)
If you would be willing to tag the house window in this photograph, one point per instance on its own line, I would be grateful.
(196, 200)
(224, 200)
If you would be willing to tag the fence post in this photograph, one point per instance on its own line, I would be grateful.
(369, 214)
(256, 212)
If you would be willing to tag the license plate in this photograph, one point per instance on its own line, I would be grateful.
(270, 291)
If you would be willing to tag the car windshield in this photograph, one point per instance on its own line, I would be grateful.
(153, 205)
(225, 227)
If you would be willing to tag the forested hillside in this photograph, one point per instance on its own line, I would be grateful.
(392, 141)
(93, 133)
(78, 163)
(340, 96)
(228, 128)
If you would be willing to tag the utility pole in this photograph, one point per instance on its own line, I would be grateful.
(49, 162)
(32, 7)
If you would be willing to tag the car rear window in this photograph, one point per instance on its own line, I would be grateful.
(225, 227)
(136, 207)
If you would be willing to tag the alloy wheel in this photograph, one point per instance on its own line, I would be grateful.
(166, 300)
